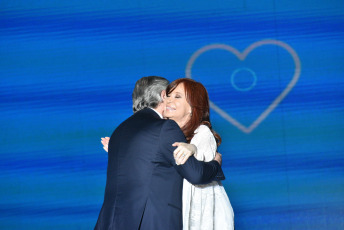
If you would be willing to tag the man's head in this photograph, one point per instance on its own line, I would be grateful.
(148, 92)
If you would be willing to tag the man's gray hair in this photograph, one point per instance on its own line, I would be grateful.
(147, 92)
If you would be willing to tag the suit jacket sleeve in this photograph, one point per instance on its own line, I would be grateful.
(196, 172)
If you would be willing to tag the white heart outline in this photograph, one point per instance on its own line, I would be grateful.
(242, 56)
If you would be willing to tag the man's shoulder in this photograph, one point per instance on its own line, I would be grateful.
(171, 131)
(171, 124)
(139, 118)
(148, 113)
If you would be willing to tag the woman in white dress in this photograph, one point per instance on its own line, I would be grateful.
(204, 206)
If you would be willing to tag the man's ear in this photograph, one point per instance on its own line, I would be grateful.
(163, 95)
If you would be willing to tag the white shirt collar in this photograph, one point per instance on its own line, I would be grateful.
(157, 113)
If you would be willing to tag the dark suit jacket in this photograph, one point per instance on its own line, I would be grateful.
(144, 185)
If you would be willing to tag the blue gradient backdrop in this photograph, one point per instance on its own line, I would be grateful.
(68, 69)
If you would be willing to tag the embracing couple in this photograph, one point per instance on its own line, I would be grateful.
(155, 180)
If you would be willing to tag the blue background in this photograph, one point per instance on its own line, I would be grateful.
(68, 69)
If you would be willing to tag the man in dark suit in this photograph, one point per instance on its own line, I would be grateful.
(144, 184)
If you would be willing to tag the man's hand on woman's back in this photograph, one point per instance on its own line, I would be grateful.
(105, 143)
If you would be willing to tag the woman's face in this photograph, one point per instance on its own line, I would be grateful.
(177, 108)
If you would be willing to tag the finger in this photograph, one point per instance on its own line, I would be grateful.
(185, 158)
(179, 158)
(177, 151)
(105, 139)
(180, 154)
(176, 144)
(178, 161)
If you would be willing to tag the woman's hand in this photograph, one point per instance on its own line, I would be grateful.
(218, 158)
(105, 142)
(183, 152)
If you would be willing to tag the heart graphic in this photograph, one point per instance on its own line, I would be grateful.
(242, 56)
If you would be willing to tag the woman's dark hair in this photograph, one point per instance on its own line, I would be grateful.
(197, 97)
